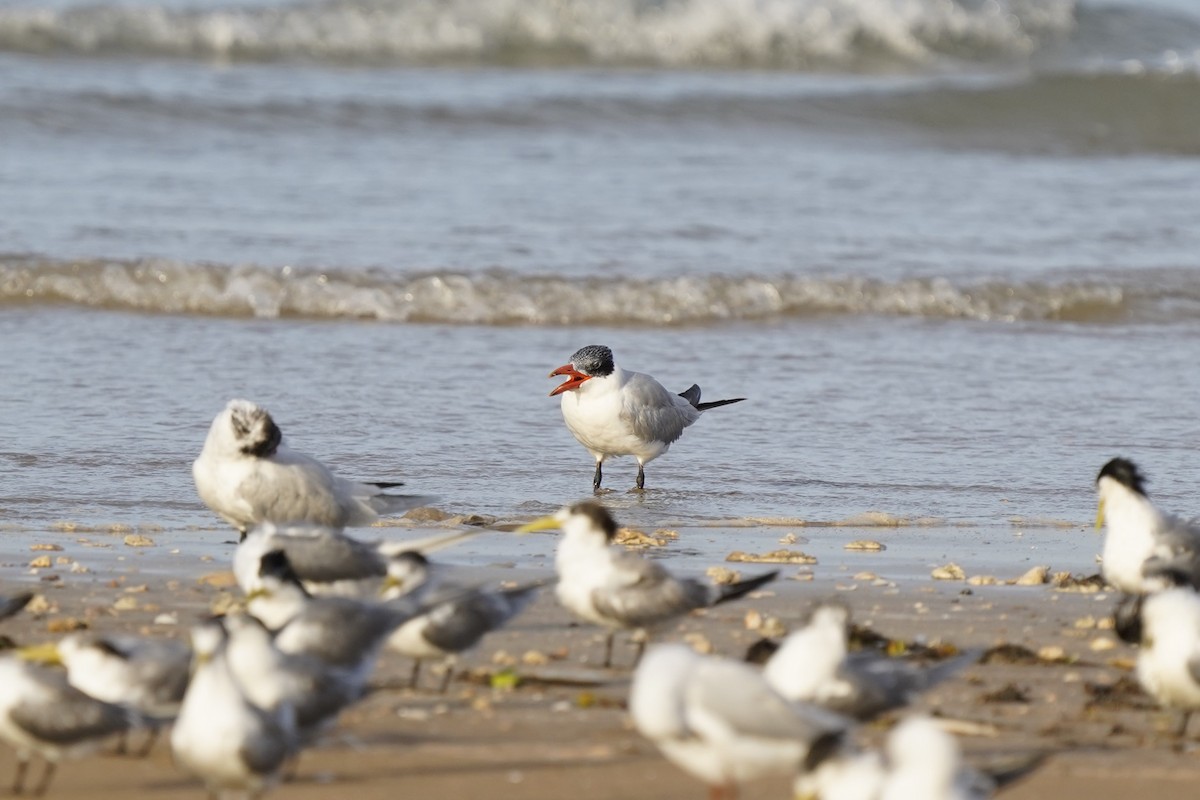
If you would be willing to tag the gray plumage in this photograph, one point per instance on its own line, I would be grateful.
(74, 716)
(460, 623)
(11, 605)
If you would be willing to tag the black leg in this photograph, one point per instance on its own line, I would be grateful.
(641, 648)
(446, 677)
(151, 739)
(641, 482)
(599, 476)
(47, 776)
(416, 673)
(608, 643)
(19, 779)
(1184, 718)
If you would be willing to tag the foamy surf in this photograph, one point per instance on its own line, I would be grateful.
(505, 298)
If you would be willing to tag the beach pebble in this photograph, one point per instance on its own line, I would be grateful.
(868, 545)
(1085, 623)
(426, 514)
(949, 572)
(65, 625)
(1036, 576)
(40, 605)
(125, 603)
(534, 658)
(1052, 652)
(768, 626)
(774, 557)
(865, 576)
(167, 619)
(137, 540)
(631, 537)
(981, 580)
(41, 562)
(51, 547)
(218, 580)
(698, 642)
(722, 575)
(1102, 644)
(804, 575)
(78, 568)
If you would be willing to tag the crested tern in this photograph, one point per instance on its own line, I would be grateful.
(147, 675)
(718, 720)
(247, 475)
(220, 735)
(452, 625)
(343, 632)
(42, 714)
(1168, 662)
(326, 560)
(615, 412)
(610, 586)
(814, 664)
(1145, 549)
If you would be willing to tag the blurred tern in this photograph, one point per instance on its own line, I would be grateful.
(921, 761)
(247, 475)
(1168, 664)
(40, 713)
(455, 624)
(326, 560)
(612, 412)
(813, 664)
(147, 675)
(718, 720)
(1144, 549)
(342, 632)
(610, 586)
(271, 678)
(221, 736)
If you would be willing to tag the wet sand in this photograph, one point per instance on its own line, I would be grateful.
(563, 730)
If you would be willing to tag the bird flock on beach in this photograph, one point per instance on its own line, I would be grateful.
(253, 687)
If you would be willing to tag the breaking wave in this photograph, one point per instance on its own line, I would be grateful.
(502, 298)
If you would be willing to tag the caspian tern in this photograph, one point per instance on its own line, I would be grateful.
(247, 475)
(614, 412)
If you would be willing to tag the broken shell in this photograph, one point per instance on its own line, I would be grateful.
(949, 572)
(1036, 576)
(774, 557)
(722, 575)
(137, 540)
(868, 545)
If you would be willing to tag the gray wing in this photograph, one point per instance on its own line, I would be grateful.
(73, 717)
(265, 750)
(162, 666)
(293, 488)
(11, 605)
(457, 625)
(738, 695)
(322, 691)
(644, 593)
(340, 630)
(330, 556)
(1176, 552)
(654, 413)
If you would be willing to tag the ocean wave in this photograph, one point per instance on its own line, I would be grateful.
(504, 298)
(778, 34)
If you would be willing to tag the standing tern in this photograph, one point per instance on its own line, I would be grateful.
(610, 586)
(149, 676)
(223, 737)
(1167, 626)
(452, 625)
(247, 475)
(1144, 549)
(813, 664)
(343, 632)
(42, 714)
(326, 560)
(612, 412)
(718, 720)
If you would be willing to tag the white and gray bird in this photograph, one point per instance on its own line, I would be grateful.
(451, 625)
(1166, 624)
(343, 632)
(147, 675)
(41, 714)
(247, 475)
(718, 720)
(221, 736)
(614, 412)
(920, 760)
(610, 586)
(326, 560)
(271, 678)
(1145, 549)
(814, 664)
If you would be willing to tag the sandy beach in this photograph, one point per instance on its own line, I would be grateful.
(563, 730)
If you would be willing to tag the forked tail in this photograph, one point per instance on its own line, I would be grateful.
(692, 395)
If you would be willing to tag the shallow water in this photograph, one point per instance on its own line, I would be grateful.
(952, 280)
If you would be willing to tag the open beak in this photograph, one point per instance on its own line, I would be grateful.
(1100, 515)
(550, 523)
(40, 653)
(574, 380)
